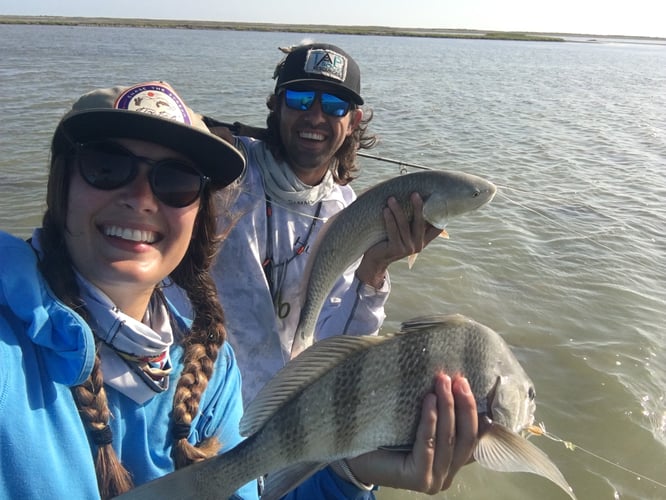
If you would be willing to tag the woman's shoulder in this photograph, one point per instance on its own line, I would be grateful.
(62, 336)
(15, 244)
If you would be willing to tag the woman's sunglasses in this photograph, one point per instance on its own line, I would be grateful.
(107, 165)
(304, 99)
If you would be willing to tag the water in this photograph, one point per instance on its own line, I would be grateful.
(567, 263)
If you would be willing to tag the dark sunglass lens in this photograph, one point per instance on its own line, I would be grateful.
(334, 106)
(175, 183)
(105, 165)
(301, 100)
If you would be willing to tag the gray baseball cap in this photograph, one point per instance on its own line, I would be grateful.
(153, 112)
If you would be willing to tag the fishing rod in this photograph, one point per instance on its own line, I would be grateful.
(395, 162)
(238, 128)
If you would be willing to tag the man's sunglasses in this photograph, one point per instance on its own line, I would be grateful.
(304, 99)
(106, 165)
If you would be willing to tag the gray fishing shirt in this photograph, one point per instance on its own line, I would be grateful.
(270, 242)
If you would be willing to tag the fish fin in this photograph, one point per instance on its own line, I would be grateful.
(398, 447)
(431, 213)
(277, 484)
(444, 234)
(427, 322)
(501, 450)
(299, 373)
(411, 259)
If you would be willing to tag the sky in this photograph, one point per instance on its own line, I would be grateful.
(597, 17)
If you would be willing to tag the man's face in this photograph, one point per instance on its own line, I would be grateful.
(311, 137)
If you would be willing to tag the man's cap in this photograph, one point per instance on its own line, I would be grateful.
(320, 63)
(152, 112)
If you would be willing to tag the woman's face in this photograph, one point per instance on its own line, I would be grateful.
(125, 240)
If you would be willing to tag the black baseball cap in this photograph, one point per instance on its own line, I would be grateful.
(320, 63)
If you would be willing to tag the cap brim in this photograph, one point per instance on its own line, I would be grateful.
(340, 90)
(215, 157)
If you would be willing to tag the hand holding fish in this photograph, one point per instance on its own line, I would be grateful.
(404, 239)
(445, 441)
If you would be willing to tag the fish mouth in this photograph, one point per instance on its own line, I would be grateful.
(490, 192)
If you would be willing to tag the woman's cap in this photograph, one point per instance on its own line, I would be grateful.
(152, 112)
(320, 63)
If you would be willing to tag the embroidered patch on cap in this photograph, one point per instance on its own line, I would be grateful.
(154, 99)
(327, 63)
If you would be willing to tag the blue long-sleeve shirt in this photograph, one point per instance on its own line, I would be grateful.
(45, 349)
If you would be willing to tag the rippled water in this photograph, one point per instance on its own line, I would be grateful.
(568, 262)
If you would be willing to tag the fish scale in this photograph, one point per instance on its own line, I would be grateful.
(346, 389)
(348, 395)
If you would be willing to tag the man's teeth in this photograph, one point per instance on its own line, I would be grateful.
(312, 135)
(130, 234)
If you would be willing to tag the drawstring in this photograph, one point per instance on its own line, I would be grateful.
(268, 263)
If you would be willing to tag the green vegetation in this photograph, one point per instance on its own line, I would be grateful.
(294, 28)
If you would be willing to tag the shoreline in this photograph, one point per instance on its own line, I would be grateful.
(297, 28)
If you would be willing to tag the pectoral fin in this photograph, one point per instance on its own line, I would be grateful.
(501, 450)
(411, 259)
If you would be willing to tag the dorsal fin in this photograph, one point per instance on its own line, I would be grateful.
(425, 322)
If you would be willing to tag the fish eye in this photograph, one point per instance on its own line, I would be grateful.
(531, 393)
(476, 194)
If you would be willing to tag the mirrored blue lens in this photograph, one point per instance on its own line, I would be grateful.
(303, 100)
(334, 106)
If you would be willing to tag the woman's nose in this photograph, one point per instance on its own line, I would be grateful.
(138, 193)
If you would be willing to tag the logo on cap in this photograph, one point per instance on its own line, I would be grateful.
(154, 99)
(326, 63)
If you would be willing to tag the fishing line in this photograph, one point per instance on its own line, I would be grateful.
(540, 430)
(403, 170)
(556, 223)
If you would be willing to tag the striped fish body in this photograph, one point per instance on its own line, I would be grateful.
(349, 395)
(351, 232)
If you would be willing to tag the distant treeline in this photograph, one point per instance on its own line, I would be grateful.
(293, 28)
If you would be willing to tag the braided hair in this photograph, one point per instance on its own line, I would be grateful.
(201, 345)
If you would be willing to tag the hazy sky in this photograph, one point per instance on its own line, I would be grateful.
(600, 17)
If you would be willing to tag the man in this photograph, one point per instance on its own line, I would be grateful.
(297, 176)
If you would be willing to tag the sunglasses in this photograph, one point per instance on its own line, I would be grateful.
(304, 99)
(107, 165)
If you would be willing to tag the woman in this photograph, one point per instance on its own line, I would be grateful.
(103, 386)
